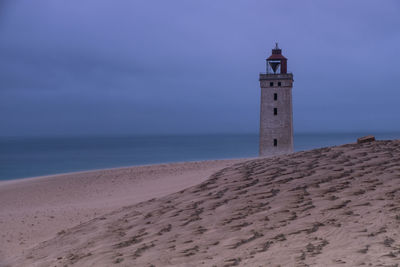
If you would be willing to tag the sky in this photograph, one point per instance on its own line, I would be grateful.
(191, 67)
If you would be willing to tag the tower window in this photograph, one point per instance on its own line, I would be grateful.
(275, 96)
(275, 111)
(275, 142)
(279, 83)
(271, 83)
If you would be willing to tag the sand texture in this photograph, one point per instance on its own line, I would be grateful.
(36, 209)
(336, 206)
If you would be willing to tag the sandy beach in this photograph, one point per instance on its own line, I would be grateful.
(337, 206)
(35, 209)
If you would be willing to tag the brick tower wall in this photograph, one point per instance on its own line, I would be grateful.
(276, 114)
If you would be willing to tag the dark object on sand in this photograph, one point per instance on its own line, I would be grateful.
(365, 139)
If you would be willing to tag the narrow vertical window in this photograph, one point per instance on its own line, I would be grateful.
(275, 142)
(271, 84)
(279, 83)
(275, 96)
(275, 111)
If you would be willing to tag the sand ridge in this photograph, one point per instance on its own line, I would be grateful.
(336, 206)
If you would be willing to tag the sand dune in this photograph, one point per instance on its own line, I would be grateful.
(335, 206)
(36, 209)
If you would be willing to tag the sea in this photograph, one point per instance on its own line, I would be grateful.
(22, 157)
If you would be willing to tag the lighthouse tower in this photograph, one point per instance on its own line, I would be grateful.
(276, 115)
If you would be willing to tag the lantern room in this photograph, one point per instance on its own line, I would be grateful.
(276, 63)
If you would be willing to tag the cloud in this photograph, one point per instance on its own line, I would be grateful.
(173, 66)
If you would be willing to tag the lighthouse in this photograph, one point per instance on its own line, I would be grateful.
(276, 112)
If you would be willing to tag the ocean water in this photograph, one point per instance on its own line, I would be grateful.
(22, 157)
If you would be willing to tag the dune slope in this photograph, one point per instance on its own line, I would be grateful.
(325, 207)
(34, 210)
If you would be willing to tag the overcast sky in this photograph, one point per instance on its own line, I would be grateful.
(139, 67)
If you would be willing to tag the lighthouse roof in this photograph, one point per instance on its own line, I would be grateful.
(276, 53)
(276, 57)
